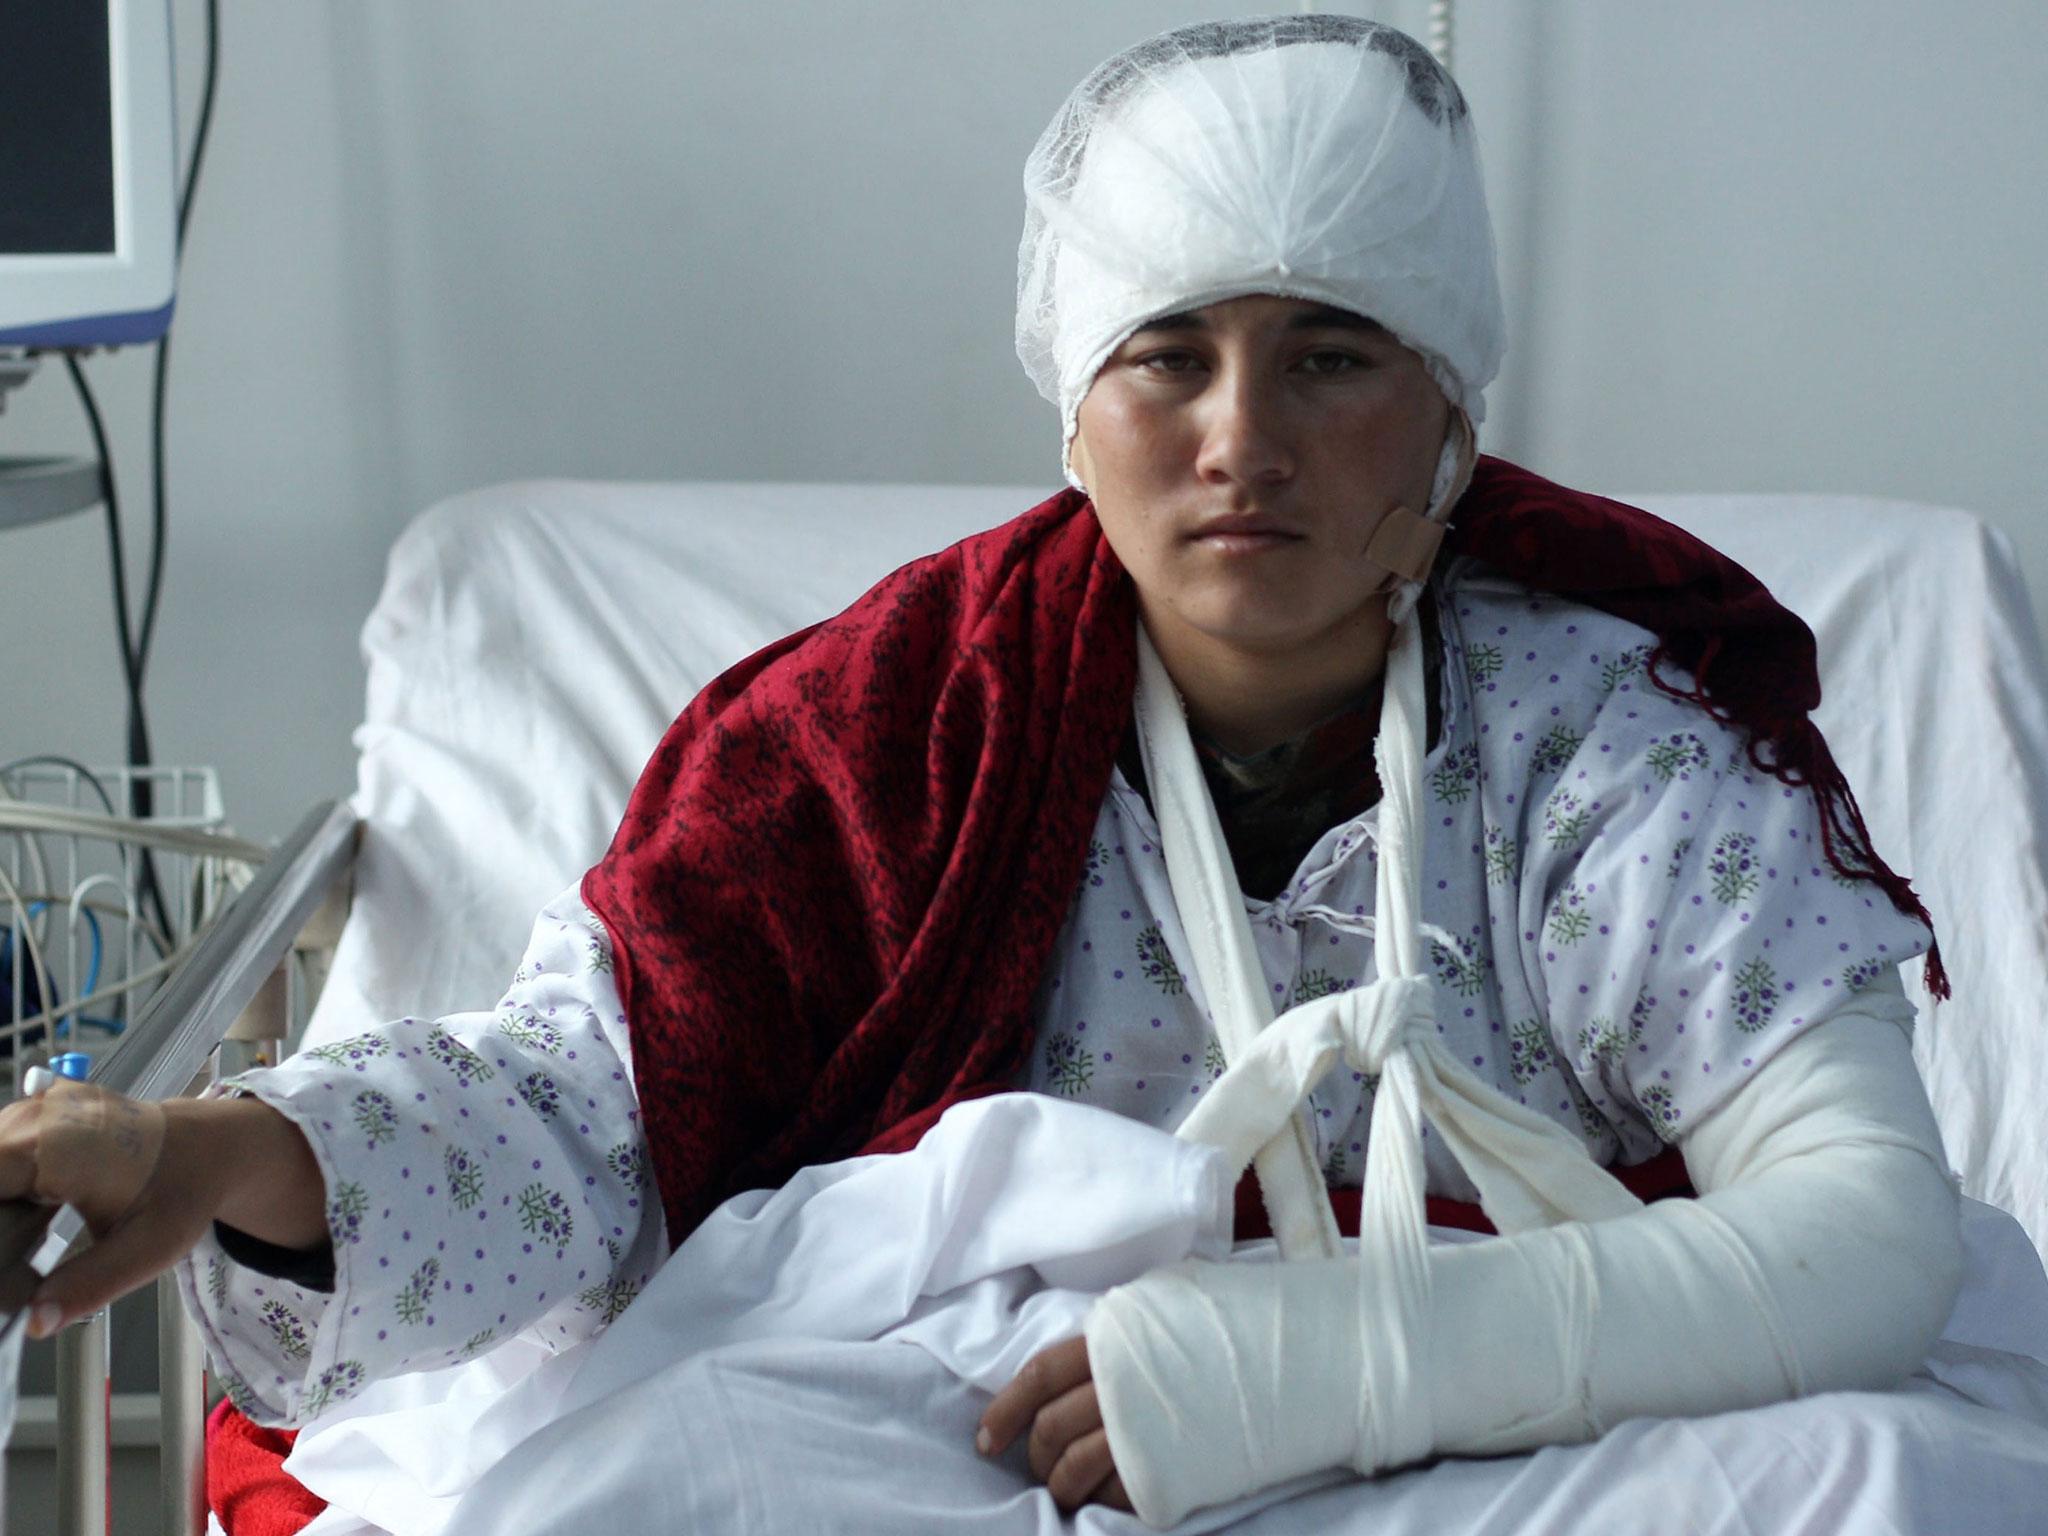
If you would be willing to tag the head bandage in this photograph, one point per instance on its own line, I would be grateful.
(1315, 157)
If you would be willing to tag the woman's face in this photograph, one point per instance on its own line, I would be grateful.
(1306, 416)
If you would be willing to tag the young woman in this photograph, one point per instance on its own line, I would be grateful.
(1527, 835)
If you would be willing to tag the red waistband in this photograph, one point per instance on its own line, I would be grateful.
(1661, 1178)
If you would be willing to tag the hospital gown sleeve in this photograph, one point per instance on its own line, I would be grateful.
(1680, 920)
(485, 1176)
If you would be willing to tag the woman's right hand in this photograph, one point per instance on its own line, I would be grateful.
(148, 1178)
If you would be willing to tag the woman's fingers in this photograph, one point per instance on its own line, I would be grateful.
(1058, 1426)
(1082, 1469)
(1049, 1374)
(109, 1267)
(146, 1197)
(18, 1127)
(1054, 1398)
(159, 1226)
(22, 1219)
(22, 1226)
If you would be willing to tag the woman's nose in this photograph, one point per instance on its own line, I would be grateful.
(1244, 439)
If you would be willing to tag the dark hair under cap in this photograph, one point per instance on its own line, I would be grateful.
(1430, 85)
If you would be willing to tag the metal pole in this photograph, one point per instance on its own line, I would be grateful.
(161, 1053)
(83, 1490)
(1440, 31)
(181, 1396)
(167, 1046)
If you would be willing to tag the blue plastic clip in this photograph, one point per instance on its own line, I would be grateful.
(76, 1065)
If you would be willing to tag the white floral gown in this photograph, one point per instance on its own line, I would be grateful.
(1628, 918)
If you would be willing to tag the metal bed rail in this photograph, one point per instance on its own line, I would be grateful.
(164, 1052)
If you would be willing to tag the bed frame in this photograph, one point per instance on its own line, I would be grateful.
(229, 1004)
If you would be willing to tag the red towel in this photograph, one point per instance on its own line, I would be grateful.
(1663, 1177)
(246, 1484)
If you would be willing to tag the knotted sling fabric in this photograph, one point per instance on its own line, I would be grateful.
(840, 878)
(1528, 1171)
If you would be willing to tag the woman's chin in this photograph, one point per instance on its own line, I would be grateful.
(1269, 627)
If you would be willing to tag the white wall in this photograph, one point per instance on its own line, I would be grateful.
(1747, 246)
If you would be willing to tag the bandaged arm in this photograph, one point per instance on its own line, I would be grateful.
(1822, 1254)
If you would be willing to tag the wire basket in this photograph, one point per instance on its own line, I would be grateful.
(107, 878)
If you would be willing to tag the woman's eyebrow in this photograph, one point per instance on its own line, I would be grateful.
(1328, 317)
(1320, 317)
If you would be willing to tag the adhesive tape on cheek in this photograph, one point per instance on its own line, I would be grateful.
(1405, 544)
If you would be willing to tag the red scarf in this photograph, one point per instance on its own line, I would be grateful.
(840, 878)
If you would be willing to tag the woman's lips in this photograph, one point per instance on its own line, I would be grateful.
(1246, 533)
(1245, 543)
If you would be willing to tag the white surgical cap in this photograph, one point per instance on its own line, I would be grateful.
(1311, 156)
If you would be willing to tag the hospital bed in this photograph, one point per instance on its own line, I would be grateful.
(532, 641)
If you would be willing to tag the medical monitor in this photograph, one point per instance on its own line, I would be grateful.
(88, 172)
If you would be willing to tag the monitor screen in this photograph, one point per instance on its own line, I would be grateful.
(88, 172)
(56, 130)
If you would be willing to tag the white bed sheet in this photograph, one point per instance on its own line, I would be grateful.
(533, 641)
(786, 1372)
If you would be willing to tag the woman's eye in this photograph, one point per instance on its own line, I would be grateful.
(1171, 364)
(1330, 360)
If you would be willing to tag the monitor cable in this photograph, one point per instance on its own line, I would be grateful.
(137, 641)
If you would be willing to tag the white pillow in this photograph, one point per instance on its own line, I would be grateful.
(531, 644)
